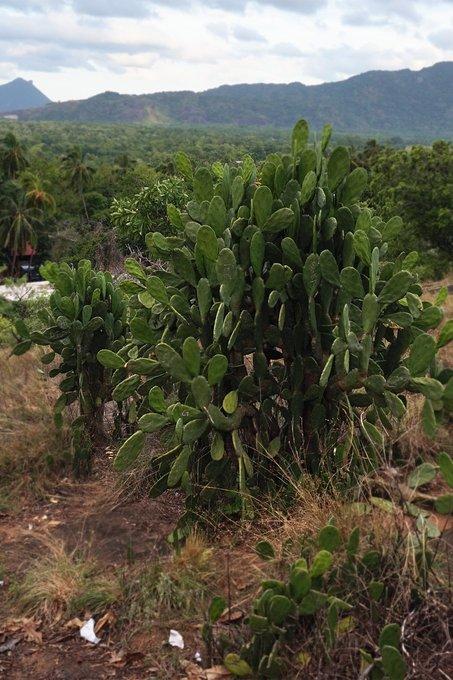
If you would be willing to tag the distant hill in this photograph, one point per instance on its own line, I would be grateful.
(391, 102)
(20, 94)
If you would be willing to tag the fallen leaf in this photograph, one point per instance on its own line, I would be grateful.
(410, 495)
(231, 615)
(118, 657)
(108, 618)
(217, 673)
(193, 672)
(30, 632)
(122, 657)
(74, 623)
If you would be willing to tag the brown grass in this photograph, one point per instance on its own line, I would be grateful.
(62, 583)
(32, 446)
(379, 530)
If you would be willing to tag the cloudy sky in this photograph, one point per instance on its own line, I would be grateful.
(73, 49)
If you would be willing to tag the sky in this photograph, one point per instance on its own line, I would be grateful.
(73, 49)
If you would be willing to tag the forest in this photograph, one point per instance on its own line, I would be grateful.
(233, 454)
(414, 104)
(78, 182)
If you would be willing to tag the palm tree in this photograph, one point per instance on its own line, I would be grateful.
(12, 156)
(37, 192)
(78, 172)
(18, 220)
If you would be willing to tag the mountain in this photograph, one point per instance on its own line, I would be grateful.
(20, 94)
(390, 102)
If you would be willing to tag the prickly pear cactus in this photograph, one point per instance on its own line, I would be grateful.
(278, 332)
(321, 587)
(86, 316)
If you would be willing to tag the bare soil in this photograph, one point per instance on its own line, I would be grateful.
(82, 515)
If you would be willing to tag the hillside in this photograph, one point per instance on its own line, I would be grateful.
(404, 102)
(20, 94)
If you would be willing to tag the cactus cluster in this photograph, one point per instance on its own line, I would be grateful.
(278, 330)
(87, 314)
(328, 570)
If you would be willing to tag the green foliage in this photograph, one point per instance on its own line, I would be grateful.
(424, 474)
(112, 162)
(86, 315)
(325, 588)
(416, 184)
(278, 318)
(134, 216)
(29, 311)
(402, 108)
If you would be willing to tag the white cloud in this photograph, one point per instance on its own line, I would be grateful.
(113, 8)
(76, 48)
(443, 39)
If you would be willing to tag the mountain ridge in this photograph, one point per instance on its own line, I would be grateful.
(418, 102)
(20, 94)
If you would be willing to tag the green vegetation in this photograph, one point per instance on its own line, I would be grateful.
(86, 315)
(93, 191)
(370, 103)
(262, 353)
(331, 583)
(276, 336)
(416, 183)
(132, 215)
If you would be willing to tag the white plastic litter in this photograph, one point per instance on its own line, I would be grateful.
(2, 583)
(175, 639)
(87, 632)
(197, 657)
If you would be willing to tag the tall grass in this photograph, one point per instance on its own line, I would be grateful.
(32, 447)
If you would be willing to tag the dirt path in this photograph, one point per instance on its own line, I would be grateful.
(84, 518)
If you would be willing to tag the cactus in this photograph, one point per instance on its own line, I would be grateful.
(278, 325)
(315, 591)
(86, 318)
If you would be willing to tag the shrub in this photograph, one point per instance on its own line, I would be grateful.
(134, 216)
(416, 184)
(279, 332)
(86, 314)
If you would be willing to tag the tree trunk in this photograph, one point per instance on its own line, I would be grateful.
(84, 204)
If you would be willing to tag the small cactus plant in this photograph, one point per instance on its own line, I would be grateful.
(321, 587)
(278, 330)
(86, 315)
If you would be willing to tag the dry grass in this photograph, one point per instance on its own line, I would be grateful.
(174, 586)
(380, 530)
(32, 446)
(62, 583)
(412, 441)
